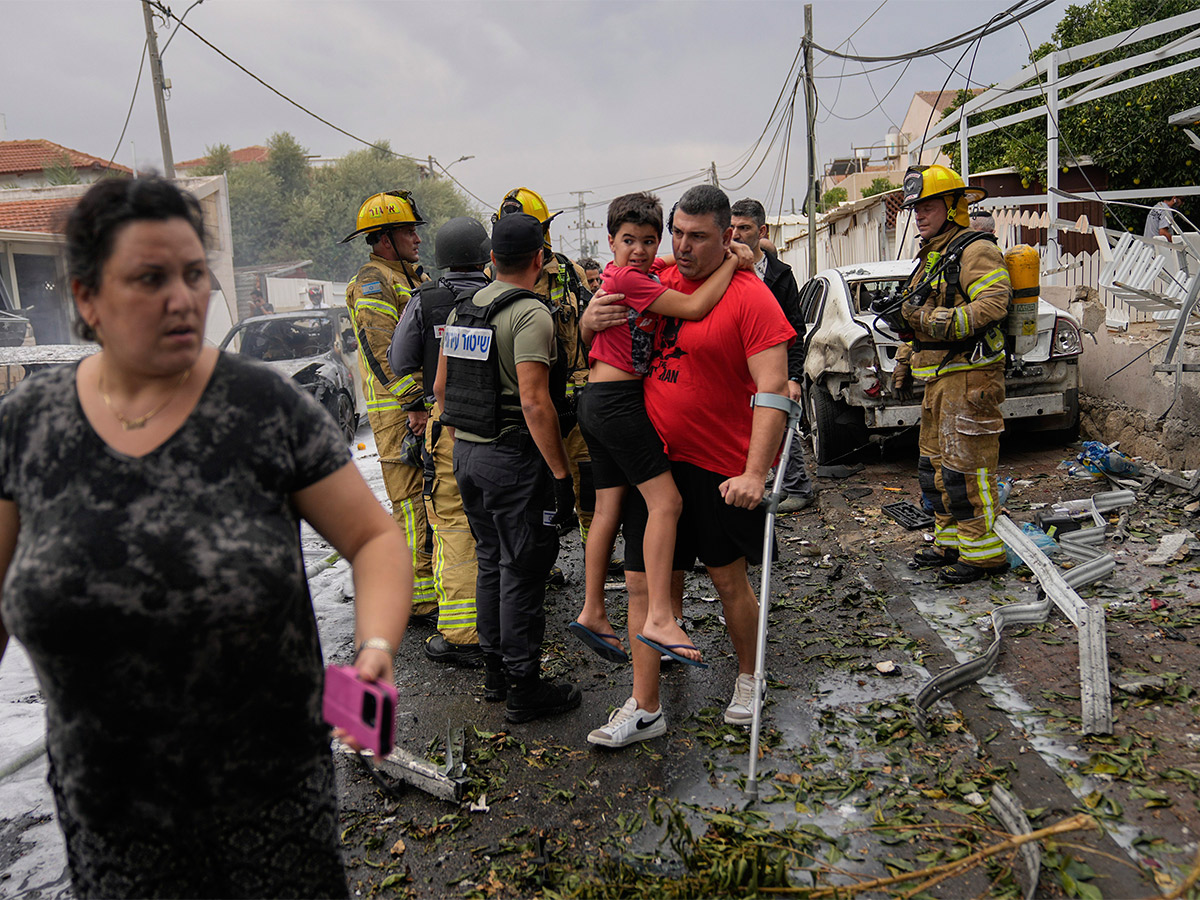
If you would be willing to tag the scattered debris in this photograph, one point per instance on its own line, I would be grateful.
(908, 515)
(839, 471)
(1169, 548)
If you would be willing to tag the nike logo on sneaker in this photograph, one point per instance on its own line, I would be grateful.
(643, 724)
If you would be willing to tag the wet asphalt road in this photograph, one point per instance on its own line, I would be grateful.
(545, 811)
(840, 753)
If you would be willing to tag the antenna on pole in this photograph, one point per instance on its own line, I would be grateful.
(586, 248)
(160, 86)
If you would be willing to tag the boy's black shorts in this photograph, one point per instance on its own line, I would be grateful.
(622, 442)
(709, 528)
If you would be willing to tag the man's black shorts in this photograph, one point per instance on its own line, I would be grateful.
(622, 442)
(709, 528)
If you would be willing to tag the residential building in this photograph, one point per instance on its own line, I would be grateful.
(23, 164)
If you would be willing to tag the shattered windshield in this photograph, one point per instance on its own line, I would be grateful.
(863, 293)
(278, 339)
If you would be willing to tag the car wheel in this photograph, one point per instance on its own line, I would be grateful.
(346, 417)
(836, 436)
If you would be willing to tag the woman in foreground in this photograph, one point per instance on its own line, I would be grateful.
(150, 500)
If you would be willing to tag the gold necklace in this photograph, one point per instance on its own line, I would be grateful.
(140, 421)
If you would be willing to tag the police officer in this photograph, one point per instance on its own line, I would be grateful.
(957, 300)
(561, 284)
(463, 249)
(376, 297)
(493, 384)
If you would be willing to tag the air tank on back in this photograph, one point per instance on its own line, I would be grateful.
(1023, 264)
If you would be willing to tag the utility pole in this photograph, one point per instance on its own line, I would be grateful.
(582, 225)
(160, 85)
(810, 120)
(712, 174)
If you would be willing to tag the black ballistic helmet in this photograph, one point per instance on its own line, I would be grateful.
(461, 242)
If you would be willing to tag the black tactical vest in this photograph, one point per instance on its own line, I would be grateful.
(473, 367)
(436, 302)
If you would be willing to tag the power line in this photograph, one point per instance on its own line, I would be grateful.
(176, 31)
(129, 113)
(951, 43)
(383, 149)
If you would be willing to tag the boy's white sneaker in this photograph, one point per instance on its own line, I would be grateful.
(740, 710)
(629, 724)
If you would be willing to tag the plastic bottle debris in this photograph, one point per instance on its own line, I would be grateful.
(1005, 486)
(1044, 542)
(1106, 460)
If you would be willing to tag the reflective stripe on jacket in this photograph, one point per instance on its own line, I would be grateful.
(984, 279)
(376, 297)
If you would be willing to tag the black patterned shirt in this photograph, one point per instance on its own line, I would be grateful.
(162, 599)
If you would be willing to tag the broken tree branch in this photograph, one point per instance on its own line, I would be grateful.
(1075, 823)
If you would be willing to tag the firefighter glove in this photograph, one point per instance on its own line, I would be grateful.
(564, 505)
(911, 310)
(902, 385)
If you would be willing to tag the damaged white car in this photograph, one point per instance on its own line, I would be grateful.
(316, 348)
(850, 355)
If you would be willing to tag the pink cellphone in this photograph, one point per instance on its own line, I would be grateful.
(366, 710)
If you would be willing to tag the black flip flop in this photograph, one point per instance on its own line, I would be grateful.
(669, 650)
(598, 643)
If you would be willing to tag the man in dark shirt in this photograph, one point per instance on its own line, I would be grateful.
(749, 227)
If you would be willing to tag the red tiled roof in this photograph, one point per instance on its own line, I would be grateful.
(22, 157)
(240, 157)
(48, 215)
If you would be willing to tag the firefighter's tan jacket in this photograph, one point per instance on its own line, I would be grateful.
(554, 287)
(376, 297)
(984, 280)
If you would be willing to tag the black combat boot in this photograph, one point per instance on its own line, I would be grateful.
(934, 557)
(532, 697)
(495, 678)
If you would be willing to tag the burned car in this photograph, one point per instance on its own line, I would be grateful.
(851, 354)
(316, 348)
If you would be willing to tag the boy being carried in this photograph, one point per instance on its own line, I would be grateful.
(624, 446)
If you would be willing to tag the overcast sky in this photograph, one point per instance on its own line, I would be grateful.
(560, 96)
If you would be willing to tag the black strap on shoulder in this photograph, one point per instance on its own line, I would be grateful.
(951, 262)
(467, 308)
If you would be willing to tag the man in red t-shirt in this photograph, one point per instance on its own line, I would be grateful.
(698, 397)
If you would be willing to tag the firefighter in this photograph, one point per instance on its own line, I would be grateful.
(562, 285)
(956, 303)
(376, 297)
(463, 250)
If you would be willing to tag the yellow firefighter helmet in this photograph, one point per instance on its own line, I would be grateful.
(525, 200)
(923, 182)
(387, 210)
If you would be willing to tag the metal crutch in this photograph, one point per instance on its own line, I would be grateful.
(771, 502)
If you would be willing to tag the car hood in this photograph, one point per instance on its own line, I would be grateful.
(291, 366)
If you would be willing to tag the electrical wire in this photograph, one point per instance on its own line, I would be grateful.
(129, 112)
(176, 31)
(749, 154)
(951, 43)
(701, 175)
(878, 104)
(1058, 132)
(166, 11)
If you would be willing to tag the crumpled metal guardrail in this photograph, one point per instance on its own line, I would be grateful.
(1008, 810)
(1057, 588)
